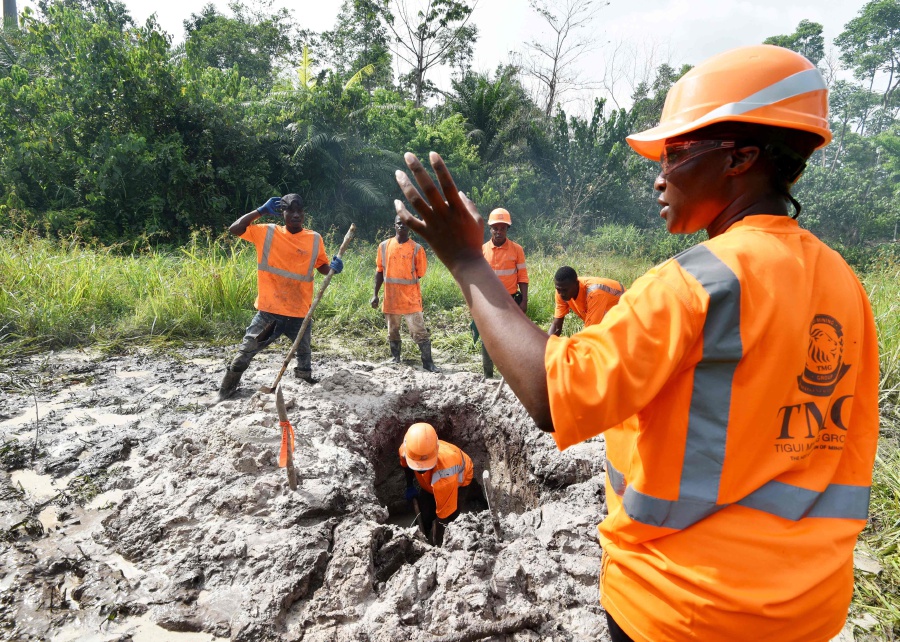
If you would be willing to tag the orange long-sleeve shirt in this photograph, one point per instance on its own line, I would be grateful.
(508, 263)
(453, 469)
(406, 264)
(595, 297)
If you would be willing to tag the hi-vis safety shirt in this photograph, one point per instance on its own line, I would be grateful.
(402, 264)
(453, 469)
(508, 263)
(595, 297)
(737, 385)
(285, 266)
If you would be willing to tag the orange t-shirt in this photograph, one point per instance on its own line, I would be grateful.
(508, 263)
(285, 266)
(406, 264)
(595, 297)
(453, 469)
(736, 386)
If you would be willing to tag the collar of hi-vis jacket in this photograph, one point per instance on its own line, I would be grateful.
(264, 266)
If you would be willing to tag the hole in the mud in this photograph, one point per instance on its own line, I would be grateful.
(491, 447)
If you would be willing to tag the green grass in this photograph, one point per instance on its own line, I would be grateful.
(63, 293)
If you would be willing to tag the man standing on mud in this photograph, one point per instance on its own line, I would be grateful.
(590, 297)
(287, 255)
(399, 264)
(736, 384)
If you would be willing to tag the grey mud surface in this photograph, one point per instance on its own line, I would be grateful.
(149, 515)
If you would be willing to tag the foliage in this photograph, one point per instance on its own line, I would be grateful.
(807, 40)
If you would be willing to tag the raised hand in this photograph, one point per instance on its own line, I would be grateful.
(272, 206)
(450, 222)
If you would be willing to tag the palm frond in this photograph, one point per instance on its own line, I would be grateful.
(368, 70)
(305, 73)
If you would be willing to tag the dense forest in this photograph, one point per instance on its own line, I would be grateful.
(109, 130)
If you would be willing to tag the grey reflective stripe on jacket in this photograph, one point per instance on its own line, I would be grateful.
(505, 272)
(384, 266)
(600, 286)
(458, 470)
(264, 266)
(708, 418)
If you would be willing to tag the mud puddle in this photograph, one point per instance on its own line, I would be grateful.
(149, 515)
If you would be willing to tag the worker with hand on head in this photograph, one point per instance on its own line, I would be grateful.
(736, 384)
(507, 260)
(590, 297)
(399, 264)
(441, 470)
(287, 255)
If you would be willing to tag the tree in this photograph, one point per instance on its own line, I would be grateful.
(807, 40)
(429, 36)
(10, 15)
(551, 63)
(359, 39)
(870, 44)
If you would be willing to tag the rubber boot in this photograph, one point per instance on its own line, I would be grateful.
(487, 363)
(305, 375)
(427, 363)
(395, 351)
(229, 383)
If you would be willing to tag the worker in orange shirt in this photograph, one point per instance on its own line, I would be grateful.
(399, 264)
(441, 470)
(736, 384)
(507, 260)
(590, 297)
(287, 255)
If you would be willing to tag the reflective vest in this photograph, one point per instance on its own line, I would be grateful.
(286, 264)
(737, 389)
(595, 297)
(453, 469)
(402, 264)
(508, 263)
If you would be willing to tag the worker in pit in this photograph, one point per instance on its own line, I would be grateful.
(736, 384)
(399, 264)
(507, 260)
(441, 470)
(287, 255)
(590, 297)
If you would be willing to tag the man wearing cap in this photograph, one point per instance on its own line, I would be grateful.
(589, 297)
(441, 470)
(736, 384)
(287, 255)
(507, 260)
(399, 264)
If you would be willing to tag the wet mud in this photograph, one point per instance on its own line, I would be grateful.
(148, 514)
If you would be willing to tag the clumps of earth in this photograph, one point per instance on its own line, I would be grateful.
(147, 514)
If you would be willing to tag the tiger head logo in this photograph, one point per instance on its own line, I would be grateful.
(824, 357)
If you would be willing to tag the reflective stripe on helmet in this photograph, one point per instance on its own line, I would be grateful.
(263, 265)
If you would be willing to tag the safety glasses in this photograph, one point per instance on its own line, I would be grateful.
(677, 154)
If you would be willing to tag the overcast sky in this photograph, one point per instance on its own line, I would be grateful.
(674, 31)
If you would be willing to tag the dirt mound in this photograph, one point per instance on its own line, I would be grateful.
(149, 513)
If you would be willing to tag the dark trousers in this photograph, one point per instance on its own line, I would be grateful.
(266, 328)
(615, 631)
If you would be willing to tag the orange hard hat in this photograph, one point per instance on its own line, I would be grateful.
(760, 84)
(421, 447)
(500, 215)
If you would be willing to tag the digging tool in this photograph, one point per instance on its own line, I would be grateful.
(286, 456)
(347, 238)
(499, 391)
(415, 503)
(488, 491)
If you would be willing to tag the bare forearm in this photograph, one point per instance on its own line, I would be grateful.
(556, 327)
(379, 280)
(240, 226)
(515, 344)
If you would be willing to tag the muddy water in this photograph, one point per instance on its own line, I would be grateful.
(151, 515)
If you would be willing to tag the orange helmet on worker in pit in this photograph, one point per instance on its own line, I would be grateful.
(421, 447)
(500, 215)
(760, 84)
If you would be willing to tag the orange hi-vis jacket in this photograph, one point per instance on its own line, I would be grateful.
(595, 297)
(453, 469)
(508, 263)
(402, 264)
(737, 389)
(285, 266)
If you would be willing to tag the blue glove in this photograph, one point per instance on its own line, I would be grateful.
(411, 493)
(272, 206)
(336, 264)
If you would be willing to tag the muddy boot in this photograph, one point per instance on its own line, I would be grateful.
(305, 375)
(487, 363)
(427, 363)
(229, 384)
(395, 351)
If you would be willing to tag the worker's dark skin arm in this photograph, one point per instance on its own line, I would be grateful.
(379, 280)
(556, 327)
(324, 269)
(240, 226)
(523, 288)
(454, 229)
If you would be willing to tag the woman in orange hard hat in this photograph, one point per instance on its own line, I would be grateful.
(736, 384)
(441, 470)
